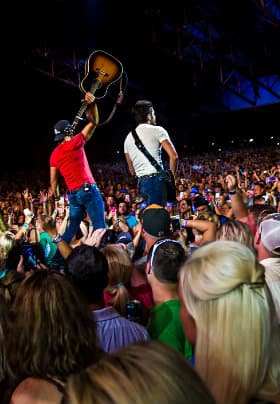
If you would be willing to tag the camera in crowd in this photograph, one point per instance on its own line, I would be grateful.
(33, 254)
(175, 223)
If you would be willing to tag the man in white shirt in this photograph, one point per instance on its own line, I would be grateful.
(154, 138)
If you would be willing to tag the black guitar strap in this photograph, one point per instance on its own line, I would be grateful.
(143, 149)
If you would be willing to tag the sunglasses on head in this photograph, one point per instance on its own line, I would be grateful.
(155, 246)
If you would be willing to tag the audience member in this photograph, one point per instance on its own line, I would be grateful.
(119, 290)
(235, 230)
(228, 314)
(147, 373)
(155, 225)
(51, 334)
(267, 244)
(87, 268)
(164, 261)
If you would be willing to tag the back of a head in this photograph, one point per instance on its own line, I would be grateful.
(59, 129)
(259, 211)
(235, 230)
(166, 258)
(141, 110)
(119, 262)
(269, 230)
(222, 286)
(7, 242)
(87, 269)
(147, 373)
(199, 200)
(156, 221)
(47, 304)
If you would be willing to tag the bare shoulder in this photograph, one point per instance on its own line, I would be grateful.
(36, 391)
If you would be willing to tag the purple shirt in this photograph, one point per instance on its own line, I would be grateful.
(115, 331)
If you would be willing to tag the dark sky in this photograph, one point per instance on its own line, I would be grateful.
(39, 101)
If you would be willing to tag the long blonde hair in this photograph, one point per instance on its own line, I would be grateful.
(222, 286)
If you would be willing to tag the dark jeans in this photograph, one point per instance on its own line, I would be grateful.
(82, 201)
(153, 190)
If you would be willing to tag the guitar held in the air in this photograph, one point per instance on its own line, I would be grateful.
(101, 70)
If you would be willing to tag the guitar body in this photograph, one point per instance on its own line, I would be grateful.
(101, 70)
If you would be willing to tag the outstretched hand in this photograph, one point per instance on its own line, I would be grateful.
(231, 182)
(94, 237)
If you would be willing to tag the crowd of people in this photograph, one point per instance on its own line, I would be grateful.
(155, 301)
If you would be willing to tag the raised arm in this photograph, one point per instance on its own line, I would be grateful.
(92, 115)
(239, 209)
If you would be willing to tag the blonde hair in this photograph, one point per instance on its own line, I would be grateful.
(146, 373)
(7, 241)
(119, 276)
(222, 286)
(235, 230)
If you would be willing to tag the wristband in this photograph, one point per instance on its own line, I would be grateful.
(232, 192)
(184, 223)
(57, 239)
(25, 225)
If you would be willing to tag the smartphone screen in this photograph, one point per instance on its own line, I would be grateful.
(175, 223)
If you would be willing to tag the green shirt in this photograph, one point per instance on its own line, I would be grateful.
(165, 325)
(48, 246)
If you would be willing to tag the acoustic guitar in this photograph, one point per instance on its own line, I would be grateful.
(101, 70)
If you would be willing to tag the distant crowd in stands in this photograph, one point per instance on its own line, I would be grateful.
(177, 303)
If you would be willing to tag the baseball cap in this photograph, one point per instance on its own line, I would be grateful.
(194, 190)
(124, 237)
(270, 233)
(156, 221)
(59, 129)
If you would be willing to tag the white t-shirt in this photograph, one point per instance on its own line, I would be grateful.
(151, 136)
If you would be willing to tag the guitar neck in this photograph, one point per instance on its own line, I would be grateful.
(83, 108)
(79, 116)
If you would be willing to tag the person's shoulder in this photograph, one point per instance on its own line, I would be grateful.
(161, 132)
(130, 325)
(128, 137)
(79, 137)
(34, 391)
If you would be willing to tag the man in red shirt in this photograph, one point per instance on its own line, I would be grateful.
(70, 160)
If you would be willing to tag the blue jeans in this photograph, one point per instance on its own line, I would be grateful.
(82, 202)
(153, 190)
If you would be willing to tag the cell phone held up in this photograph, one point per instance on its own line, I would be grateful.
(175, 223)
